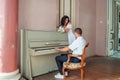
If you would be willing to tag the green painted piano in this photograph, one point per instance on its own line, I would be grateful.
(37, 51)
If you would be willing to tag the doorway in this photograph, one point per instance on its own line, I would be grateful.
(113, 33)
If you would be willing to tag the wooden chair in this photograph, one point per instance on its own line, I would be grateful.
(72, 66)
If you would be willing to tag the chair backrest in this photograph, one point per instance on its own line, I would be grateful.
(84, 49)
(83, 53)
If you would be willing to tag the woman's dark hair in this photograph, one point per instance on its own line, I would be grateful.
(63, 20)
(78, 30)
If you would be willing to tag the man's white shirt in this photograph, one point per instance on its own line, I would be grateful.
(78, 45)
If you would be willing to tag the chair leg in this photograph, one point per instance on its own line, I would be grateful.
(82, 73)
(63, 71)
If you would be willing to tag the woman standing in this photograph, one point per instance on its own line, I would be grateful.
(65, 22)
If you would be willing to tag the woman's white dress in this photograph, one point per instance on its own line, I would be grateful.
(71, 36)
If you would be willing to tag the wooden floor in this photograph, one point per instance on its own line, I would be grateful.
(97, 68)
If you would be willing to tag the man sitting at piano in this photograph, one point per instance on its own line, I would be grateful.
(76, 47)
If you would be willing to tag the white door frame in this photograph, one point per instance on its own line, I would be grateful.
(110, 28)
(67, 7)
(112, 42)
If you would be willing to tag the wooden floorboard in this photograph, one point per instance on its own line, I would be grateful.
(97, 68)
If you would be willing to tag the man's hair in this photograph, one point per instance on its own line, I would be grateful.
(78, 30)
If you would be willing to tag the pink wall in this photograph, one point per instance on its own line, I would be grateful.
(77, 13)
(101, 27)
(93, 21)
(37, 14)
(87, 22)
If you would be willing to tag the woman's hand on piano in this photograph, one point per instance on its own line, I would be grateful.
(66, 29)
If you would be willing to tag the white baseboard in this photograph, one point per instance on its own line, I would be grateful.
(15, 75)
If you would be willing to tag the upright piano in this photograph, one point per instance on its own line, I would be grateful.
(37, 51)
